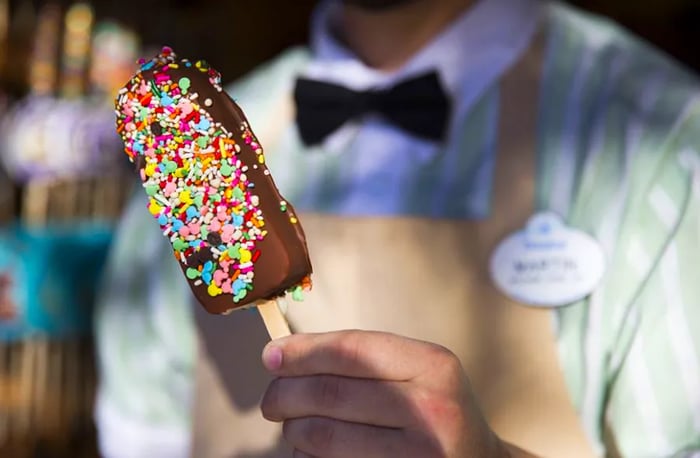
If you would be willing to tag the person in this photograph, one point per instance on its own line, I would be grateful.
(405, 346)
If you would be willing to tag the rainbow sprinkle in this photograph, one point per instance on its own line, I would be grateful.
(198, 189)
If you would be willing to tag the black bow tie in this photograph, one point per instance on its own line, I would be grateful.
(418, 106)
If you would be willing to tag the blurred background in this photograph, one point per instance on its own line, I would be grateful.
(63, 180)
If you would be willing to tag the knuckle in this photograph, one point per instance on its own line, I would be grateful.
(443, 356)
(346, 350)
(328, 392)
(319, 434)
(315, 435)
(349, 346)
(435, 409)
(445, 362)
(427, 402)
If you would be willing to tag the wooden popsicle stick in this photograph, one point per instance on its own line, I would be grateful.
(274, 319)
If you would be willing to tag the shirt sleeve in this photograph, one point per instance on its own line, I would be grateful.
(145, 327)
(145, 345)
(653, 397)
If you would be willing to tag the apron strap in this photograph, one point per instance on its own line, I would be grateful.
(513, 203)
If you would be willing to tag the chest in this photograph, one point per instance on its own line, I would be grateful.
(425, 278)
(429, 280)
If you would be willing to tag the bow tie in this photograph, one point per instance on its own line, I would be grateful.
(419, 106)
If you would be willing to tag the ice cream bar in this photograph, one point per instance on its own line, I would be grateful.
(237, 240)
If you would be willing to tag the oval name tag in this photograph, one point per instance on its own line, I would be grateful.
(547, 264)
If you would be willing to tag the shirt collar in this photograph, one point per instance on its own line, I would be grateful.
(469, 55)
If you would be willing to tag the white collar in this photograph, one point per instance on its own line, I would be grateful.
(470, 54)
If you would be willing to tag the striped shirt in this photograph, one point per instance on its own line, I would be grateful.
(618, 156)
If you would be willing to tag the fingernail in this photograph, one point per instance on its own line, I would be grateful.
(272, 357)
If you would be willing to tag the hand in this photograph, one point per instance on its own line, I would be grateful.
(370, 394)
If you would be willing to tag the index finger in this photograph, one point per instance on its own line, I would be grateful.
(359, 354)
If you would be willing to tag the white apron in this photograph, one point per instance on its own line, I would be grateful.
(418, 277)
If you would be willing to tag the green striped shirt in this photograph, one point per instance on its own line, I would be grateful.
(618, 156)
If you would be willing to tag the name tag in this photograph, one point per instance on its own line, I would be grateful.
(547, 264)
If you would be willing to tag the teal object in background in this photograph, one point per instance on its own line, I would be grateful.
(51, 274)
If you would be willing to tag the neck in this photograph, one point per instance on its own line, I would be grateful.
(387, 39)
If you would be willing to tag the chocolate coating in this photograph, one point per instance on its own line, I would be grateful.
(283, 260)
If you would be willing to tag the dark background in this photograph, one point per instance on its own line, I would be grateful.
(236, 35)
